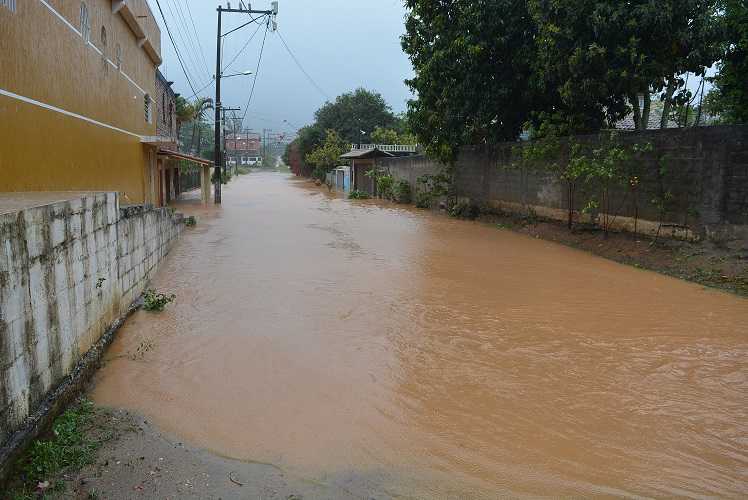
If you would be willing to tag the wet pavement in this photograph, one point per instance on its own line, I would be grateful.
(393, 352)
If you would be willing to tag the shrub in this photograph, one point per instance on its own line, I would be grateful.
(384, 186)
(423, 199)
(401, 192)
(190, 221)
(156, 301)
(358, 195)
(464, 210)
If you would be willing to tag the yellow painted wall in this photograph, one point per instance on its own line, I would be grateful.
(43, 59)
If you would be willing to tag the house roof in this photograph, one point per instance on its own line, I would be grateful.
(655, 116)
(362, 154)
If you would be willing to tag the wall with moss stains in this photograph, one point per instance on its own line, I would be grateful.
(68, 270)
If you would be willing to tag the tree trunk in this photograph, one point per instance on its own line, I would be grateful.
(668, 103)
(645, 111)
(199, 139)
(192, 139)
(634, 99)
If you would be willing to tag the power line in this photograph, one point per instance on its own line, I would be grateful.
(176, 50)
(197, 36)
(257, 71)
(242, 49)
(211, 82)
(187, 44)
(191, 38)
(311, 80)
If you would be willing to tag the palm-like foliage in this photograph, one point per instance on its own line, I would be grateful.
(196, 112)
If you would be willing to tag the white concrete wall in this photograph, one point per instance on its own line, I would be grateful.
(51, 309)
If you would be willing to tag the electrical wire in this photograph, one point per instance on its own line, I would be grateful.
(257, 71)
(197, 36)
(311, 80)
(189, 61)
(242, 49)
(186, 43)
(212, 81)
(176, 50)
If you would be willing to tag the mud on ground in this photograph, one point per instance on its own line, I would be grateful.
(724, 267)
(136, 461)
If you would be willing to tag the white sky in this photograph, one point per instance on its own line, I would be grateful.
(342, 44)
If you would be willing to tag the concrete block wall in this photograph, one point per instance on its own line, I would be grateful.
(707, 174)
(68, 270)
(409, 168)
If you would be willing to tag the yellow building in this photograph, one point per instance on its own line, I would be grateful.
(77, 80)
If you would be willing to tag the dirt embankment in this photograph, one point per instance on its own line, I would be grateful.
(724, 267)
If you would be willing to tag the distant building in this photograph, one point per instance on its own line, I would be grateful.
(243, 148)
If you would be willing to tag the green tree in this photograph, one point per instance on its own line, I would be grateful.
(326, 156)
(198, 111)
(385, 136)
(354, 112)
(474, 80)
(728, 99)
(601, 57)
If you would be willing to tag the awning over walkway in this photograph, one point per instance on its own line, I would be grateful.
(176, 155)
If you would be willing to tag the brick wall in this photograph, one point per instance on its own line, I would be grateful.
(68, 270)
(707, 174)
(165, 109)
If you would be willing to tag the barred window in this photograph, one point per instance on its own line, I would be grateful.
(85, 23)
(8, 4)
(147, 104)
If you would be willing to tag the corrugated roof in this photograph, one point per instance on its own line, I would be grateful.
(366, 153)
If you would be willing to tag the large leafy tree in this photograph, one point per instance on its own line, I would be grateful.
(307, 138)
(603, 56)
(729, 97)
(355, 115)
(485, 69)
(473, 63)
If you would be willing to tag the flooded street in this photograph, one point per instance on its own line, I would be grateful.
(397, 353)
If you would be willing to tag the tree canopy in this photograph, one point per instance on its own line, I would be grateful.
(326, 156)
(486, 70)
(354, 112)
(729, 97)
(352, 117)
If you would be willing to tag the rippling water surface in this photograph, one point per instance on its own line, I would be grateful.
(392, 350)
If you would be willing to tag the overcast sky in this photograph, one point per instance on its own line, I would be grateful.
(342, 44)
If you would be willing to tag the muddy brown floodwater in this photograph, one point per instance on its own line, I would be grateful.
(390, 350)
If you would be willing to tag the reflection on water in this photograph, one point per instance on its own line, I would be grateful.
(398, 351)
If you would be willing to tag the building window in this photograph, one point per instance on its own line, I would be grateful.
(85, 23)
(8, 4)
(118, 56)
(147, 103)
(171, 117)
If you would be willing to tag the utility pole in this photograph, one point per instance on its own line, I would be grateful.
(223, 117)
(218, 160)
